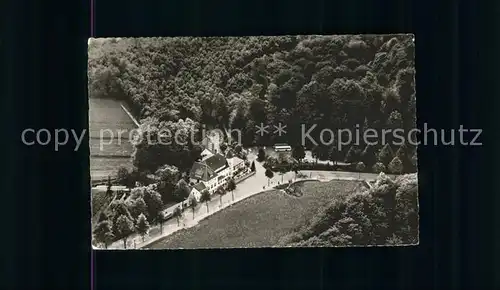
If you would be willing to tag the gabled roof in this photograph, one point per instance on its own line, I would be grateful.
(201, 171)
(206, 154)
(200, 186)
(205, 142)
(229, 153)
(216, 162)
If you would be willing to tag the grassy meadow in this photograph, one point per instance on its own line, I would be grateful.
(258, 221)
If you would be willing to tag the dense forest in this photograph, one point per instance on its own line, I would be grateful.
(364, 81)
(386, 214)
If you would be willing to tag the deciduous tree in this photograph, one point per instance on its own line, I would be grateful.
(205, 197)
(109, 191)
(269, 174)
(137, 207)
(261, 155)
(142, 225)
(231, 186)
(332, 81)
(360, 166)
(193, 203)
(167, 177)
(221, 192)
(385, 154)
(103, 233)
(368, 155)
(298, 153)
(123, 227)
(378, 167)
(223, 147)
(395, 166)
(123, 177)
(118, 208)
(283, 169)
(333, 154)
(177, 214)
(181, 191)
(102, 217)
(153, 202)
(352, 155)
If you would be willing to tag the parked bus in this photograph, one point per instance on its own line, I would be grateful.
(282, 147)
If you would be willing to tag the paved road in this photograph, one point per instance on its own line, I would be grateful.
(248, 187)
(244, 189)
(308, 158)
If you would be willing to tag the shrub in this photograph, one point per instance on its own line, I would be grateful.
(123, 177)
(352, 155)
(385, 155)
(378, 167)
(142, 225)
(396, 166)
(360, 166)
(386, 214)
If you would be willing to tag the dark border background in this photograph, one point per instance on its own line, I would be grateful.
(46, 229)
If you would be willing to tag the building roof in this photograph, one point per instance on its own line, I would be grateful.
(207, 168)
(216, 162)
(200, 187)
(229, 153)
(205, 142)
(236, 160)
(201, 171)
(206, 154)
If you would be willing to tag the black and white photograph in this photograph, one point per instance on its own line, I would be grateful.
(253, 142)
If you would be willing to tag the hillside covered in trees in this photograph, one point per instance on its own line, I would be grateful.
(334, 82)
(386, 214)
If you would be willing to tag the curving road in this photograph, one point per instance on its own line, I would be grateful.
(248, 187)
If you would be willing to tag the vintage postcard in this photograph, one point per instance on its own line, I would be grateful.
(243, 142)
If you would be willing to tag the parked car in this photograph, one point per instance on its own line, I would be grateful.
(168, 215)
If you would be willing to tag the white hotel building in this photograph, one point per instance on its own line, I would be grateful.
(213, 171)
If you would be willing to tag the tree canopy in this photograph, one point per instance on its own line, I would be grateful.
(386, 214)
(177, 84)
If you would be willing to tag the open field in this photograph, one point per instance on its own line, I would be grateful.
(107, 114)
(102, 167)
(259, 221)
(106, 128)
(122, 148)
